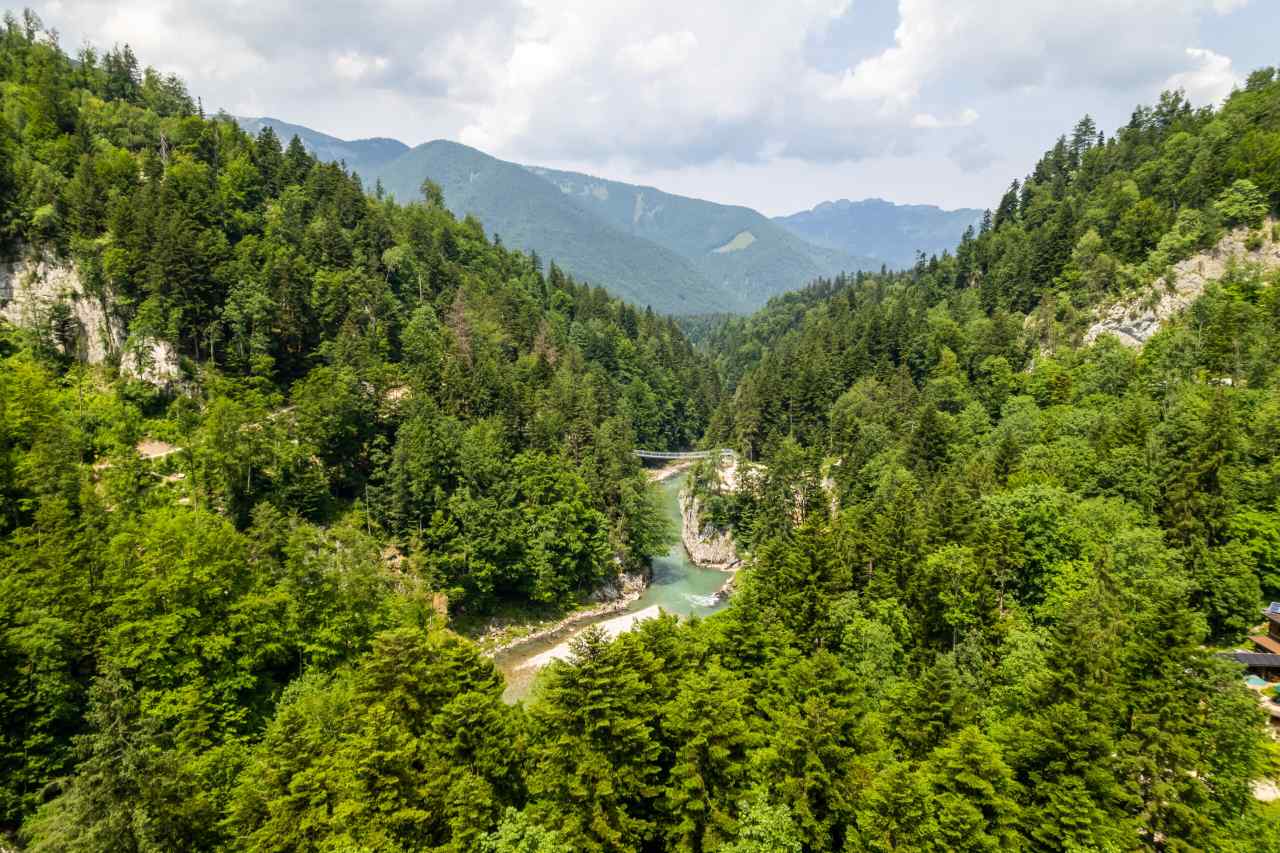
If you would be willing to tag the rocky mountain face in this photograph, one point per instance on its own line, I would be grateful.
(1135, 320)
(47, 296)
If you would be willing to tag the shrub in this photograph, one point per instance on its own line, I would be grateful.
(1242, 203)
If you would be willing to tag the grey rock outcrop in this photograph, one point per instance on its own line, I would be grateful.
(1134, 321)
(47, 295)
(154, 362)
(706, 544)
(37, 292)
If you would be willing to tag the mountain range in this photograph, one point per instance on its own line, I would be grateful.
(881, 229)
(678, 255)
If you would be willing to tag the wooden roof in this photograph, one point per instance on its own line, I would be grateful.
(1265, 643)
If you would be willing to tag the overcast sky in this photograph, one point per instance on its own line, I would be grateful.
(775, 105)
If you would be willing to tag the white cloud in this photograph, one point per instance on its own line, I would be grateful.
(1012, 45)
(1209, 82)
(661, 86)
(354, 67)
(929, 121)
(663, 52)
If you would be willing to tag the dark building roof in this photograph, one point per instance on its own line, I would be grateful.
(1254, 659)
(1273, 611)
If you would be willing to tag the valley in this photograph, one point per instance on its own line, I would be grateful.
(363, 496)
(675, 254)
(677, 587)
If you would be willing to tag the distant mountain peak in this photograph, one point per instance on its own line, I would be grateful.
(894, 233)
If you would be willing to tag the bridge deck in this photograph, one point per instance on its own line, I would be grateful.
(692, 454)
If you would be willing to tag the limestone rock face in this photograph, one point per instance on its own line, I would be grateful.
(39, 293)
(45, 294)
(625, 588)
(706, 544)
(1134, 321)
(154, 362)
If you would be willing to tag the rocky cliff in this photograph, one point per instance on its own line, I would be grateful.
(47, 295)
(1134, 321)
(39, 293)
(706, 544)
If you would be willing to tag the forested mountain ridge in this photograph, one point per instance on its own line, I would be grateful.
(528, 212)
(893, 233)
(387, 421)
(734, 247)
(679, 255)
(1096, 222)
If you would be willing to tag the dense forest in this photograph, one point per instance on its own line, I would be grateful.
(988, 566)
(379, 418)
(1020, 540)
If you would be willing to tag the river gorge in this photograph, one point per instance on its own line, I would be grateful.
(678, 586)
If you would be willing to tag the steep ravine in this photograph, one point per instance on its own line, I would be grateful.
(678, 586)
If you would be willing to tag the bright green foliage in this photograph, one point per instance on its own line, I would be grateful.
(410, 750)
(709, 721)
(984, 565)
(595, 747)
(518, 834)
(766, 828)
(1242, 203)
(974, 791)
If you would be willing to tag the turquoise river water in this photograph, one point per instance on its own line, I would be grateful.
(678, 586)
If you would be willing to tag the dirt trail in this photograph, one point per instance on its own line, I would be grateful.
(154, 448)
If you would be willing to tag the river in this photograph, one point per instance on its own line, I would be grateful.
(678, 586)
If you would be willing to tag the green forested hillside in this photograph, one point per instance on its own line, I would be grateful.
(385, 420)
(986, 569)
(651, 248)
(1032, 546)
(529, 213)
(735, 248)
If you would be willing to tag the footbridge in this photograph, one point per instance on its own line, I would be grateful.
(664, 456)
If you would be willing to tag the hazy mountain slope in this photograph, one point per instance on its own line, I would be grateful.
(733, 246)
(361, 155)
(677, 254)
(530, 213)
(889, 232)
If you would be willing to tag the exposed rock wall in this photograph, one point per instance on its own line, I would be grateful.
(1134, 321)
(706, 544)
(154, 362)
(33, 287)
(38, 292)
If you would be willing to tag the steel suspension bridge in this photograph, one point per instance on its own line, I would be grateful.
(662, 455)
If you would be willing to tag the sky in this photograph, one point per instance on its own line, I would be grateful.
(775, 105)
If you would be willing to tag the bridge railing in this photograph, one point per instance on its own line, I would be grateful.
(675, 456)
